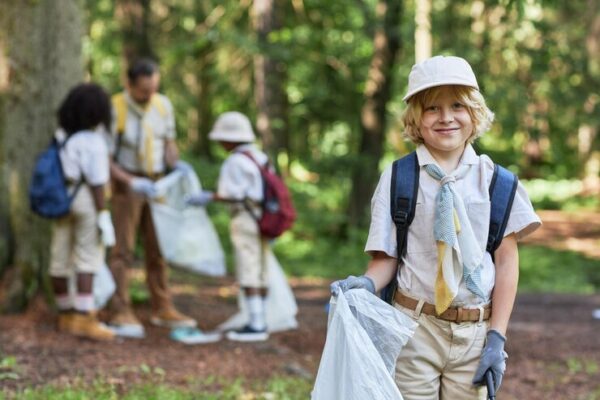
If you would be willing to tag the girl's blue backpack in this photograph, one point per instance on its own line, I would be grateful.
(48, 193)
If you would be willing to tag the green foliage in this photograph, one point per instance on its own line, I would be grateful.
(547, 270)
(559, 195)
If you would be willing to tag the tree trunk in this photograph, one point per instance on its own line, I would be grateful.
(42, 44)
(373, 113)
(134, 22)
(423, 30)
(270, 76)
(589, 152)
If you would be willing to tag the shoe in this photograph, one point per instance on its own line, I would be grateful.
(194, 336)
(65, 321)
(125, 324)
(248, 334)
(596, 313)
(171, 318)
(86, 325)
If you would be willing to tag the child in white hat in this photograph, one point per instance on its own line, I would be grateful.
(462, 313)
(240, 184)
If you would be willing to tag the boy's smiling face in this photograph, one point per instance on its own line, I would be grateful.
(446, 125)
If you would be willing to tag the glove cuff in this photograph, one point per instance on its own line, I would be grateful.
(370, 284)
(495, 336)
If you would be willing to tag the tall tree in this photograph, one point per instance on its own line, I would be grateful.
(270, 78)
(386, 44)
(42, 43)
(423, 41)
(134, 20)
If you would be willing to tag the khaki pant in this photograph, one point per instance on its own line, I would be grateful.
(251, 251)
(131, 211)
(439, 361)
(76, 245)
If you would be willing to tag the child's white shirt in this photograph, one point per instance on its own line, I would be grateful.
(85, 155)
(239, 177)
(417, 274)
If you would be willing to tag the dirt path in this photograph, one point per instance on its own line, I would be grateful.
(554, 346)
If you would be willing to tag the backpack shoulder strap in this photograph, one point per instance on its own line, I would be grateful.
(120, 106)
(403, 196)
(502, 193)
(404, 189)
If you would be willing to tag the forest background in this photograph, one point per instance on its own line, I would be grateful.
(322, 80)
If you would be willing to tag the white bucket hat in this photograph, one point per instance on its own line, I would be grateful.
(438, 71)
(233, 127)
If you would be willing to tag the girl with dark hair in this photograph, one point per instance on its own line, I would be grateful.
(79, 239)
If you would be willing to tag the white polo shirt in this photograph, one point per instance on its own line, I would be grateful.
(418, 268)
(85, 156)
(142, 144)
(239, 177)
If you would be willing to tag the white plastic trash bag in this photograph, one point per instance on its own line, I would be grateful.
(364, 338)
(186, 236)
(103, 286)
(280, 304)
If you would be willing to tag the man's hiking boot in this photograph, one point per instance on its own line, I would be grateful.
(125, 324)
(169, 317)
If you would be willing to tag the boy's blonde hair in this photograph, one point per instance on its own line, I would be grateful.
(471, 98)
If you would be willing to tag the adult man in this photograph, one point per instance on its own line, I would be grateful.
(143, 148)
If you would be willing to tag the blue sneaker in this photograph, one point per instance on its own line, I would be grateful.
(248, 334)
(194, 336)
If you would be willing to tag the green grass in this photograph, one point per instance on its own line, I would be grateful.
(547, 270)
(277, 388)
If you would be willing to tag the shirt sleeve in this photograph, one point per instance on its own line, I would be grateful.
(94, 160)
(382, 231)
(522, 220)
(170, 119)
(232, 182)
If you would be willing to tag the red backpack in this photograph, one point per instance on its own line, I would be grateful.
(278, 213)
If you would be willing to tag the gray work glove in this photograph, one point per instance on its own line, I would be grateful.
(200, 199)
(493, 357)
(107, 231)
(143, 186)
(352, 282)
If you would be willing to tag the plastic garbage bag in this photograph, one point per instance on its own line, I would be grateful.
(186, 236)
(103, 286)
(364, 338)
(280, 306)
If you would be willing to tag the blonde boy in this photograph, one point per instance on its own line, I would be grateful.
(447, 358)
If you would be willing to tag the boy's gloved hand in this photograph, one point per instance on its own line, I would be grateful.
(493, 357)
(184, 167)
(107, 231)
(143, 186)
(200, 199)
(352, 282)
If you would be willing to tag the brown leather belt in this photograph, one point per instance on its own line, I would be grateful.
(154, 176)
(454, 314)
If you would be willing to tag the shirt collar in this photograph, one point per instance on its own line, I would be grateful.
(469, 156)
(243, 147)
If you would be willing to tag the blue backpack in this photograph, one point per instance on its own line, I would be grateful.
(48, 194)
(403, 200)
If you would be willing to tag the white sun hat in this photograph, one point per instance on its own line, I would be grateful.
(233, 127)
(438, 71)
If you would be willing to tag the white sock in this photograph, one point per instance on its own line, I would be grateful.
(84, 302)
(256, 306)
(63, 302)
